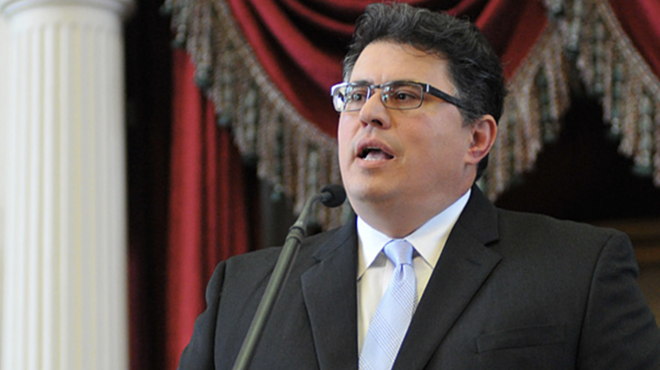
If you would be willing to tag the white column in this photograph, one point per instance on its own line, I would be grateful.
(64, 292)
(4, 41)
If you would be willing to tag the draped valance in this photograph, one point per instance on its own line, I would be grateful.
(267, 65)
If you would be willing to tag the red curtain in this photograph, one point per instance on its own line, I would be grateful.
(208, 212)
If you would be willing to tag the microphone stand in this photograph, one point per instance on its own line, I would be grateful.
(282, 268)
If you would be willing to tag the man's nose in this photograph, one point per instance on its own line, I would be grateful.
(374, 112)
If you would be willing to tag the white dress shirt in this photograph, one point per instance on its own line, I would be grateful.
(375, 269)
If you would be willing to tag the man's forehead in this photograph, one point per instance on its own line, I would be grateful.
(382, 62)
(385, 51)
(415, 51)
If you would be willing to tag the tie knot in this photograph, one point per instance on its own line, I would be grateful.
(399, 251)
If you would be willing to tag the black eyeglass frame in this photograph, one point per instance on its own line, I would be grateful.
(426, 88)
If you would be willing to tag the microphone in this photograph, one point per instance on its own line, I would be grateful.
(331, 196)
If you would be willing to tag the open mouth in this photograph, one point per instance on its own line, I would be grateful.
(374, 154)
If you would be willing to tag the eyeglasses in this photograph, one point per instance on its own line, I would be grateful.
(351, 96)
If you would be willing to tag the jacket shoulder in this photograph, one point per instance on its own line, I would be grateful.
(537, 226)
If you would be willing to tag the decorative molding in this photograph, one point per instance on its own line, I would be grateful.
(616, 73)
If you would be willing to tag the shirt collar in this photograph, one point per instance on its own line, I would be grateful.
(428, 240)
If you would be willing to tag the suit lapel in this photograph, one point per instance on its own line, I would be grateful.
(329, 291)
(465, 263)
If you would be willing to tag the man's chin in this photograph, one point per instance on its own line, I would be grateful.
(369, 194)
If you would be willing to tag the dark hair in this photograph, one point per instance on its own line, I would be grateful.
(473, 66)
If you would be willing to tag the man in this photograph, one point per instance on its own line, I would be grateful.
(485, 289)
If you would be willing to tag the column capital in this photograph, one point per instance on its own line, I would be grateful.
(121, 7)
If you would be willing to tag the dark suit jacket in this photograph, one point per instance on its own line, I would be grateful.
(510, 291)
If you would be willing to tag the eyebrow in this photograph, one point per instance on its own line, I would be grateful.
(360, 82)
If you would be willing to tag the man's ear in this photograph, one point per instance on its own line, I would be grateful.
(484, 132)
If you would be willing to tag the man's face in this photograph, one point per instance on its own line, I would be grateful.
(421, 157)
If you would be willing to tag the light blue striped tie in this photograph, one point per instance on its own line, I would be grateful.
(395, 310)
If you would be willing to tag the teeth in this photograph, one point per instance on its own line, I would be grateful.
(366, 151)
(374, 154)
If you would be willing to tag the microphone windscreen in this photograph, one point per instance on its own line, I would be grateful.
(337, 195)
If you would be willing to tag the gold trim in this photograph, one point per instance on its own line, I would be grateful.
(615, 72)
